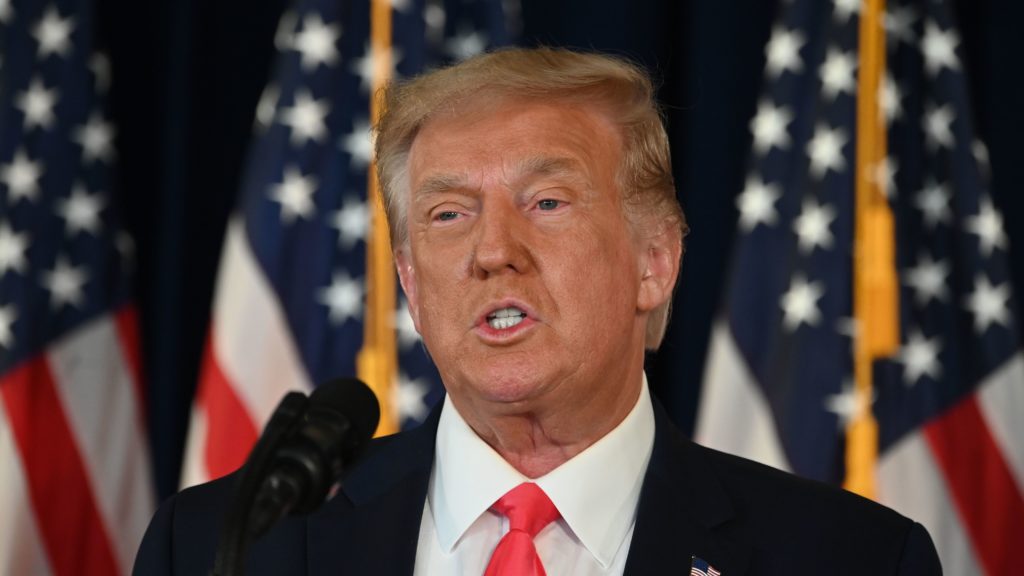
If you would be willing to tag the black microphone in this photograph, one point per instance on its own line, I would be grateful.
(340, 419)
(301, 454)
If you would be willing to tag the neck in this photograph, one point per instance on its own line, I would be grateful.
(536, 440)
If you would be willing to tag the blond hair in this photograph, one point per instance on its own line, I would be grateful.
(615, 86)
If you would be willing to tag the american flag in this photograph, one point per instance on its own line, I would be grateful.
(948, 400)
(75, 486)
(699, 567)
(289, 306)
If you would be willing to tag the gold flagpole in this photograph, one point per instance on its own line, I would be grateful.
(875, 294)
(377, 361)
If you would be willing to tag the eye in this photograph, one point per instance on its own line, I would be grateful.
(447, 215)
(548, 204)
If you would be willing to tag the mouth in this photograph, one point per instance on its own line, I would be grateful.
(505, 318)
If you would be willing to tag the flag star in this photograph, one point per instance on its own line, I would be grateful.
(769, 127)
(409, 396)
(317, 42)
(883, 175)
(65, 284)
(434, 17)
(284, 36)
(988, 225)
(933, 202)
(81, 211)
(939, 48)
(757, 204)
(980, 153)
(920, 357)
(405, 328)
(782, 52)
(99, 65)
(899, 23)
(37, 104)
(989, 304)
(5, 11)
(825, 150)
(8, 314)
(306, 118)
(53, 33)
(837, 73)
(295, 193)
(800, 303)
(890, 99)
(928, 279)
(938, 123)
(359, 143)
(22, 176)
(466, 44)
(812, 225)
(850, 404)
(368, 68)
(344, 298)
(266, 108)
(352, 222)
(399, 5)
(12, 250)
(96, 138)
(843, 9)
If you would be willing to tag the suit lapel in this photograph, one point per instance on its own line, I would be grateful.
(373, 525)
(682, 504)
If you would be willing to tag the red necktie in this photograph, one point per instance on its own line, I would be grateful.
(528, 510)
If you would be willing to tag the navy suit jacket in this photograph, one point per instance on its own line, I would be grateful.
(741, 517)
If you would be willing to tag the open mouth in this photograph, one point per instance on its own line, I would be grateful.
(505, 318)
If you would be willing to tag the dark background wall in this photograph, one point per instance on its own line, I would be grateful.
(188, 74)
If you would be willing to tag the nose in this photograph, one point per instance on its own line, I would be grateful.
(500, 245)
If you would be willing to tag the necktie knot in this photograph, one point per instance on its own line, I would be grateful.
(527, 508)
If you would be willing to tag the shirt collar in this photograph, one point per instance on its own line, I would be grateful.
(596, 491)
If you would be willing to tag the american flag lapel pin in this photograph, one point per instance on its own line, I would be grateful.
(700, 567)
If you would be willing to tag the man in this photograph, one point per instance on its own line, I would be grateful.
(538, 239)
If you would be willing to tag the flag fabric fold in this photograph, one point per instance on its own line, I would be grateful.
(289, 308)
(780, 381)
(76, 490)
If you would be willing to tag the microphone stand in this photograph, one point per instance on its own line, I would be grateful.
(237, 533)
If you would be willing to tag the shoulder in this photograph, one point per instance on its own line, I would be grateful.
(781, 511)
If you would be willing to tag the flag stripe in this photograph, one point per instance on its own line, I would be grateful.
(981, 484)
(21, 549)
(70, 522)
(127, 321)
(99, 397)
(910, 481)
(1000, 400)
(227, 443)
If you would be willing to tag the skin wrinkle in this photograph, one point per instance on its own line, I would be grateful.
(573, 374)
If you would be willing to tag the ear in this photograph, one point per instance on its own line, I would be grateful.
(407, 277)
(659, 268)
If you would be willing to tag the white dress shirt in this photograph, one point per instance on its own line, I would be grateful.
(596, 492)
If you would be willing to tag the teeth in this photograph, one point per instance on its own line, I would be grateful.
(505, 318)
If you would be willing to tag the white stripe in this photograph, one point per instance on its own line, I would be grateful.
(97, 392)
(251, 338)
(734, 416)
(909, 481)
(21, 547)
(193, 469)
(252, 345)
(1001, 400)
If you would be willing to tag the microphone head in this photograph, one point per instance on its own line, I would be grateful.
(351, 399)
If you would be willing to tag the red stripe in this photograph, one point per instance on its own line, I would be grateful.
(982, 485)
(127, 321)
(230, 431)
(69, 520)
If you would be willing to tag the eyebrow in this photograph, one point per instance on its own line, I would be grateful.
(532, 166)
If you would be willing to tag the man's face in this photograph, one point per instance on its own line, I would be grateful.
(523, 276)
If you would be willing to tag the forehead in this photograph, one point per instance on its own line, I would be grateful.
(512, 135)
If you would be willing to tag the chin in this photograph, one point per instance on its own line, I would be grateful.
(507, 382)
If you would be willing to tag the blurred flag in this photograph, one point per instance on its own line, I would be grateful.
(289, 308)
(819, 270)
(75, 484)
